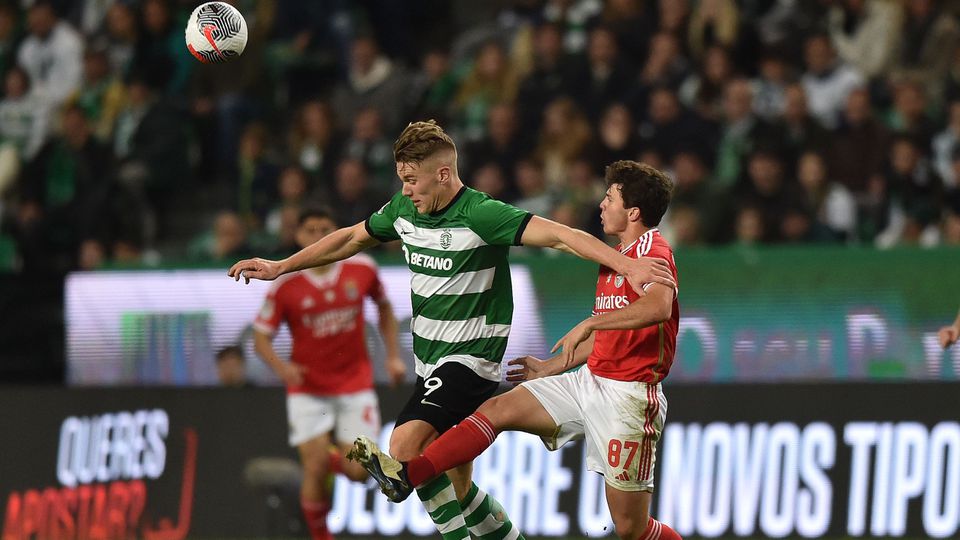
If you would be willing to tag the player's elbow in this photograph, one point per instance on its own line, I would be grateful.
(661, 312)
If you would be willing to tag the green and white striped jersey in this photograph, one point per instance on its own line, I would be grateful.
(460, 284)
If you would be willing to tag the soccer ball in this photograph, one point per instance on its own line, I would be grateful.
(216, 33)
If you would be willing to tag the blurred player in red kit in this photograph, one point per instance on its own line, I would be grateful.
(615, 404)
(329, 378)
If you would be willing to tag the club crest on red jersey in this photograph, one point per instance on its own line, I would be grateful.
(618, 281)
(351, 290)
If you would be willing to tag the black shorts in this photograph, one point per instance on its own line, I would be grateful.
(451, 393)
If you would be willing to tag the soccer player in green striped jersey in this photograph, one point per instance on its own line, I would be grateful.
(456, 241)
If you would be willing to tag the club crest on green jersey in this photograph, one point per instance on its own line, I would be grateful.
(446, 238)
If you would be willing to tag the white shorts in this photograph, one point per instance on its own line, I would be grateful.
(620, 422)
(347, 415)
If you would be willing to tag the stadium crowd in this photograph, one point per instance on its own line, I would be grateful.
(781, 121)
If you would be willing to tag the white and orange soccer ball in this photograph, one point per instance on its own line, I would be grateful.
(216, 33)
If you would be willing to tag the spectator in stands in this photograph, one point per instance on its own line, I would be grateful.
(227, 240)
(601, 77)
(353, 197)
(909, 113)
(161, 47)
(862, 33)
(312, 142)
(632, 23)
(950, 229)
(830, 202)
(547, 79)
(682, 227)
(120, 38)
(912, 196)
(232, 367)
(434, 86)
(24, 119)
(749, 229)
(10, 35)
(490, 80)
(929, 38)
(703, 91)
(668, 126)
(535, 196)
(256, 176)
(693, 187)
(665, 66)
(943, 146)
(799, 225)
(713, 23)
(51, 54)
(802, 132)
(674, 16)
(101, 95)
(583, 191)
(572, 17)
(564, 137)
(92, 254)
(616, 137)
(768, 190)
(860, 135)
(502, 145)
(489, 179)
(827, 81)
(292, 188)
(770, 87)
(741, 132)
(369, 144)
(61, 193)
(373, 80)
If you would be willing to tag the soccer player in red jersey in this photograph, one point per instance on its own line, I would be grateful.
(329, 378)
(615, 404)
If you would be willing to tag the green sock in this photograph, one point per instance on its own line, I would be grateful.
(440, 501)
(485, 517)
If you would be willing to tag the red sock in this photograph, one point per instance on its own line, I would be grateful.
(335, 461)
(461, 444)
(316, 516)
(659, 531)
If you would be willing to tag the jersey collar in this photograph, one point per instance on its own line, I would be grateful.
(452, 202)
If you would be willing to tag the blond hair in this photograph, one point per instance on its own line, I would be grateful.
(419, 141)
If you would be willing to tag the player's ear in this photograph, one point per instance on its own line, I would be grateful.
(443, 174)
(633, 214)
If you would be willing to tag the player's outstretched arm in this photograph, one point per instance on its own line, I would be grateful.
(334, 247)
(949, 334)
(655, 307)
(545, 233)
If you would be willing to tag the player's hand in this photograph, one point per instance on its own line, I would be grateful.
(291, 374)
(255, 269)
(569, 342)
(648, 270)
(396, 370)
(948, 335)
(527, 368)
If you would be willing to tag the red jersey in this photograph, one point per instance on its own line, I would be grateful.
(325, 316)
(641, 354)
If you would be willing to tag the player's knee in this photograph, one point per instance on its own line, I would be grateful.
(404, 448)
(497, 410)
(315, 467)
(630, 526)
